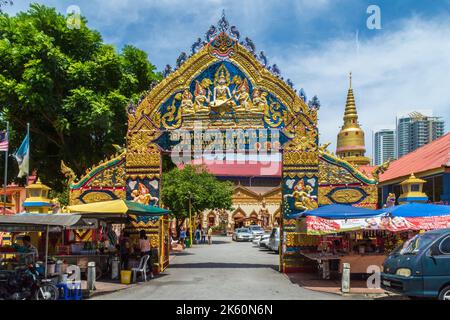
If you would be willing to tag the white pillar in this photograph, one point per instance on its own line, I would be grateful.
(345, 288)
(91, 276)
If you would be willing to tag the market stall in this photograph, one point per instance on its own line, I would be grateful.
(364, 237)
(129, 213)
(38, 223)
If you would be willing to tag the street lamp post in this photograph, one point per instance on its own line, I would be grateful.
(190, 219)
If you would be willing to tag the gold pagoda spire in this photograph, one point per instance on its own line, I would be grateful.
(350, 140)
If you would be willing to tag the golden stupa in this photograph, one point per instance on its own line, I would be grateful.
(350, 140)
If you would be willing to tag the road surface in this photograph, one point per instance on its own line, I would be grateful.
(224, 270)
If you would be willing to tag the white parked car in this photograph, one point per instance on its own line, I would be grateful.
(264, 241)
(274, 240)
(256, 230)
(256, 240)
(242, 234)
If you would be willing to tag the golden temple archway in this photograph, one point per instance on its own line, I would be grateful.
(224, 89)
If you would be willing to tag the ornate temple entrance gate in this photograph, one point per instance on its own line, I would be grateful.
(225, 96)
(224, 102)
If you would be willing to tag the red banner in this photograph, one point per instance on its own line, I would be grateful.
(317, 225)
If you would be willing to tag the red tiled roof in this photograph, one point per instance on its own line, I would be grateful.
(367, 170)
(431, 156)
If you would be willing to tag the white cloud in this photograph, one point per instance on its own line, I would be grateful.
(395, 72)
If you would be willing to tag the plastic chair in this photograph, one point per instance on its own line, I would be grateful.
(142, 268)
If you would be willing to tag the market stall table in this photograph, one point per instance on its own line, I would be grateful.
(81, 260)
(324, 261)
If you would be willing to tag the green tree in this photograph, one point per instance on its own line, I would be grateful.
(71, 87)
(206, 191)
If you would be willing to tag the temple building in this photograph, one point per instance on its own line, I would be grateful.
(350, 140)
(431, 163)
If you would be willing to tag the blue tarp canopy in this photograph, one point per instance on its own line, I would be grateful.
(340, 211)
(413, 210)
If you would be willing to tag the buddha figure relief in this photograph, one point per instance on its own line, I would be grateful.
(201, 100)
(187, 106)
(259, 101)
(243, 96)
(222, 98)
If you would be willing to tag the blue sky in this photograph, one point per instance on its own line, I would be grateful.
(402, 67)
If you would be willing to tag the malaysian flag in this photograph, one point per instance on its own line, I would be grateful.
(3, 141)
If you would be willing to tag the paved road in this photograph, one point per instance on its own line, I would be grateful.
(223, 270)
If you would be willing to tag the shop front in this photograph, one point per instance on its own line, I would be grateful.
(334, 235)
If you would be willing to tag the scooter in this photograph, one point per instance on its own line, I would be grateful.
(25, 283)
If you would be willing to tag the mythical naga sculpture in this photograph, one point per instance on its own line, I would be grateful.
(314, 103)
(262, 58)
(380, 169)
(275, 70)
(68, 173)
(196, 46)
(211, 33)
(181, 59)
(302, 95)
(249, 45)
(234, 32)
(323, 148)
(167, 70)
(290, 83)
(131, 107)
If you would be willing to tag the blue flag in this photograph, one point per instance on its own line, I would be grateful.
(22, 156)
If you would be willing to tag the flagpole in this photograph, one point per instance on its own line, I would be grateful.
(29, 140)
(6, 169)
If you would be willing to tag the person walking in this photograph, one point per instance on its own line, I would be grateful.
(203, 235)
(182, 237)
(209, 235)
(144, 246)
(125, 250)
(197, 236)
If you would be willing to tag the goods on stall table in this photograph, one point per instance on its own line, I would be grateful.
(88, 252)
(75, 248)
(62, 250)
(7, 249)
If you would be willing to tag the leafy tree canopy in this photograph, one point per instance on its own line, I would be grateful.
(71, 87)
(206, 191)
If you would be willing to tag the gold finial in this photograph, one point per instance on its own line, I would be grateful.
(350, 76)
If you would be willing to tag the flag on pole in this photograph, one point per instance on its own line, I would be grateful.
(22, 156)
(4, 143)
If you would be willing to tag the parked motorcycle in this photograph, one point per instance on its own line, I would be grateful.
(25, 283)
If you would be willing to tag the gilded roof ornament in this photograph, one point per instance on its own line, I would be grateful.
(262, 58)
(181, 59)
(167, 70)
(223, 23)
(314, 103)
